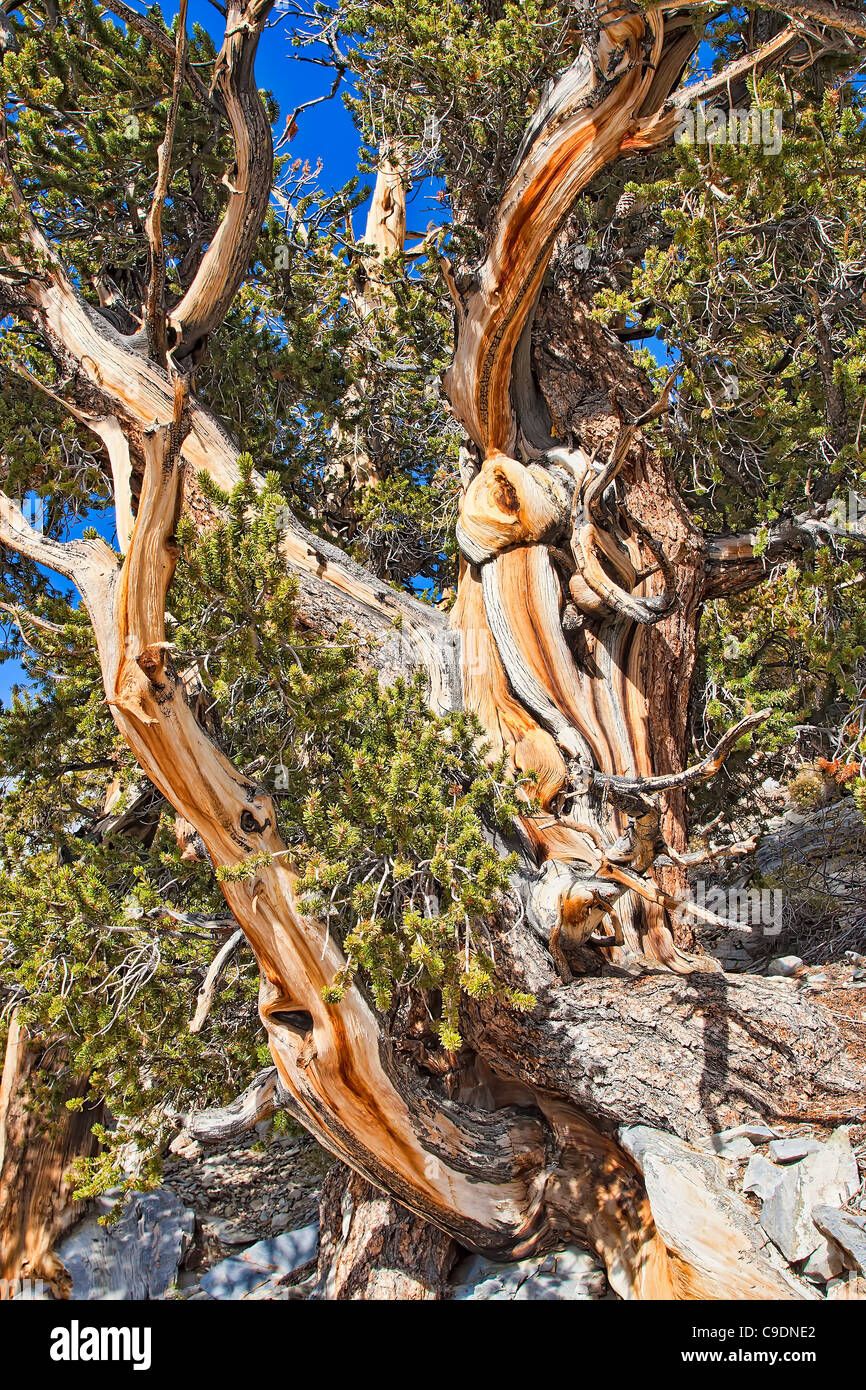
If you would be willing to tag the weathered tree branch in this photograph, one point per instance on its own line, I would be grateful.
(226, 261)
(736, 563)
(257, 1102)
(154, 308)
(560, 662)
(825, 12)
(208, 989)
(579, 127)
(699, 772)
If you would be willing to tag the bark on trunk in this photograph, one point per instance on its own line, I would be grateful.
(371, 1248)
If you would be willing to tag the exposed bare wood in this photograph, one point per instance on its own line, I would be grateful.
(484, 1176)
(138, 391)
(36, 1152)
(385, 230)
(825, 12)
(208, 989)
(704, 1222)
(658, 126)
(575, 626)
(108, 429)
(226, 261)
(700, 772)
(384, 236)
(257, 1102)
(739, 562)
(350, 1093)
(577, 130)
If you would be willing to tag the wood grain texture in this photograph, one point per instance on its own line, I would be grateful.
(39, 1141)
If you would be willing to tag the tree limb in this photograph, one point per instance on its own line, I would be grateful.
(738, 562)
(208, 989)
(699, 772)
(822, 11)
(257, 1102)
(227, 259)
(162, 41)
(155, 297)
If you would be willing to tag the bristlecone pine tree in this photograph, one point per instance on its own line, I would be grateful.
(393, 666)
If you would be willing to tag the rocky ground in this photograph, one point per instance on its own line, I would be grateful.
(238, 1220)
(252, 1188)
(255, 1205)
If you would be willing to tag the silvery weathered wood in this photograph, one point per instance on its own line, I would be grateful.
(138, 1256)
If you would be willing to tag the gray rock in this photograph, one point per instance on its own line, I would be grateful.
(272, 1291)
(730, 1144)
(785, 965)
(230, 1233)
(570, 1275)
(137, 1257)
(264, 1264)
(288, 1251)
(790, 1150)
(700, 1219)
(758, 1133)
(823, 1264)
(847, 1229)
(232, 1279)
(566, 1275)
(761, 1176)
(827, 1177)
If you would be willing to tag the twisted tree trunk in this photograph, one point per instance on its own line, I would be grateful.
(573, 640)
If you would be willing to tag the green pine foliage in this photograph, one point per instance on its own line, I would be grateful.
(755, 278)
(388, 809)
(455, 84)
(89, 952)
